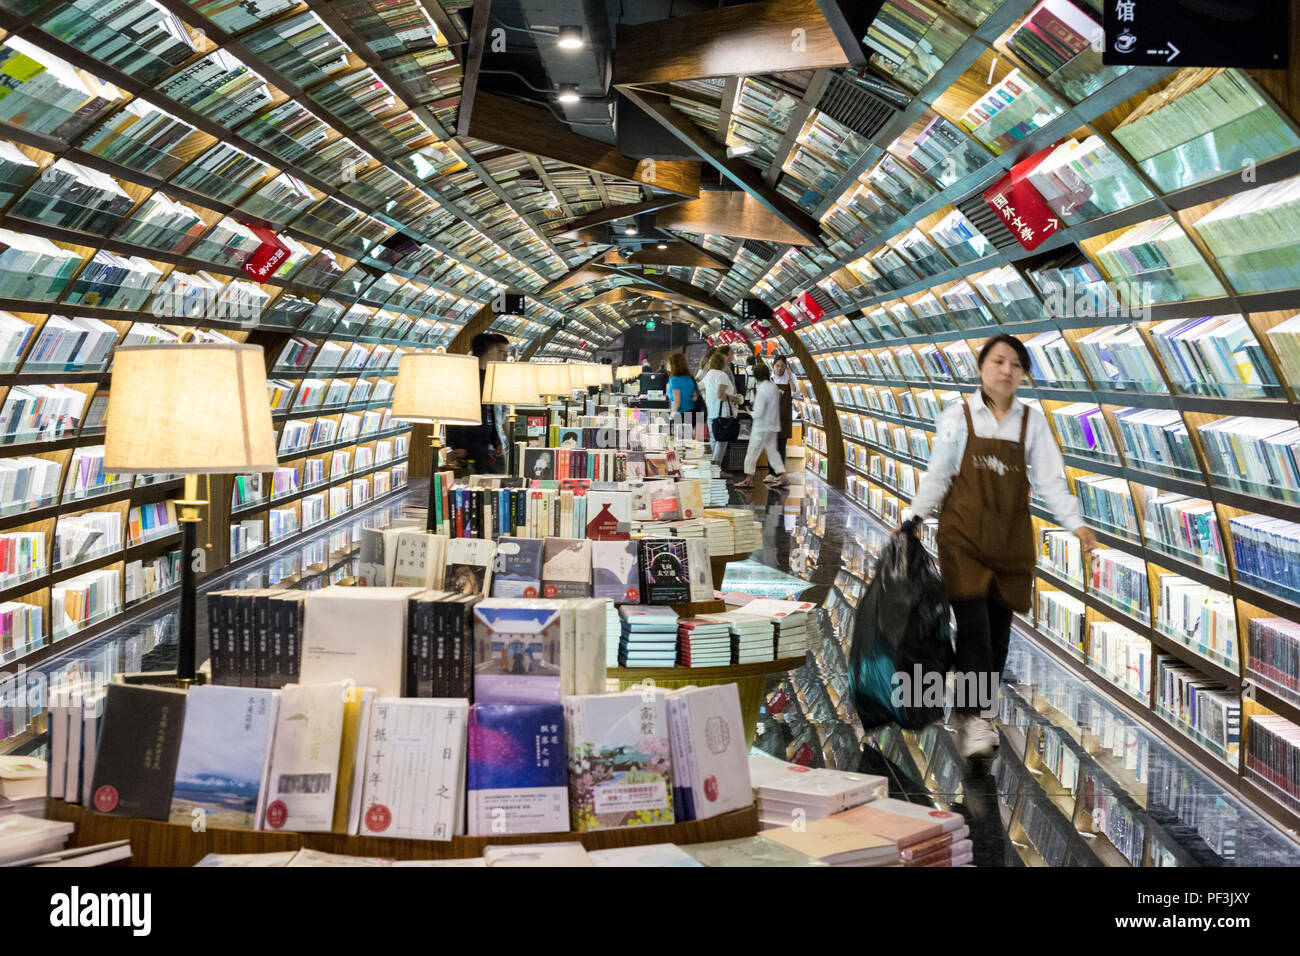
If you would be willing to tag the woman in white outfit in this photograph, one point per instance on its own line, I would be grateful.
(763, 431)
(720, 399)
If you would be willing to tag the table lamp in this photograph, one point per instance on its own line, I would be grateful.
(197, 409)
(441, 389)
(555, 380)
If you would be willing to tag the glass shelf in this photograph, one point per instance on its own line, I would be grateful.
(96, 491)
(73, 627)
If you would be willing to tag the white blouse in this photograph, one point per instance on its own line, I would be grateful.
(1043, 462)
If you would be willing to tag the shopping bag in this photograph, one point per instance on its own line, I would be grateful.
(902, 639)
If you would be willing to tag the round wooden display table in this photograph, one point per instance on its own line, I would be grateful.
(174, 844)
(750, 679)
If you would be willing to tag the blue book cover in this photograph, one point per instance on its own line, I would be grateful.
(518, 569)
(517, 773)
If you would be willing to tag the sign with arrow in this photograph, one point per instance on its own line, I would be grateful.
(1021, 207)
(1250, 34)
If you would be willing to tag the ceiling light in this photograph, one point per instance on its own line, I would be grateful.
(571, 38)
(568, 93)
(629, 230)
(661, 245)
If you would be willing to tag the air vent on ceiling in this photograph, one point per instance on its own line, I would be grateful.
(983, 218)
(760, 249)
(851, 103)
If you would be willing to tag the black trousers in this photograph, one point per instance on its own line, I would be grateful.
(983, 639)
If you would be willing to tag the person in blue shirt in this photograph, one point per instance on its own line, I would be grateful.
(681, 387)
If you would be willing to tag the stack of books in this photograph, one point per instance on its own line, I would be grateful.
(752, 638)
(836, 843)
(703, 643)
(789, 792)
(791, 623)
(649, 636)
(921, 835)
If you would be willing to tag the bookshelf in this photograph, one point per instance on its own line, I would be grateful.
(1153, 433)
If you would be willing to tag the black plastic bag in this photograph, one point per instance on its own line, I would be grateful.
(902, 645)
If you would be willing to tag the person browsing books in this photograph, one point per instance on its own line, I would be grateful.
(720, 399)
(783, 379)
(481, 448)
(763, 431)
(681, 387)
(990, 452)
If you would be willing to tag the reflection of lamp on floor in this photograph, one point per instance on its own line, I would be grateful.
(191, 408)
(440, 389)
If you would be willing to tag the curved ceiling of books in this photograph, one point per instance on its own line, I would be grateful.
(431, 154)
(423, 148)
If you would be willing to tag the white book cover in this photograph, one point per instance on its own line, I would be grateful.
(710, 739)
(356, 634)
(701, 569)
(469, 566)
(225, 756)
(305, 758)
(413, 780)
(589, 646)
(538, 854)
(655, 854)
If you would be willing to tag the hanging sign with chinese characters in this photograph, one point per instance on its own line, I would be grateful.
(1248, 34)
(263, 261)
(1023, 209)
(784, 317)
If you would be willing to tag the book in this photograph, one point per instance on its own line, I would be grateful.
(709, 752)
(749, 851)
(516, 777)
(835, 842)
(566, 567)
(22, 777)
(665, 576)
(469, 566)
(305, 758)
(517, 651)
(620, 767)
(139, 746)
(537, 854)
(225, 757)
(654, 854)
(356, 634)
(413, 769)
(616, 573)
(609, 513)
(517, 571)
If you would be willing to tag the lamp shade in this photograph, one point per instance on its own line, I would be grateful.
(189, 408)
(602, 374)
(555, 379)
(438, 387)
(510, 383)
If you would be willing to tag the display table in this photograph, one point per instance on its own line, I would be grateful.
(174, 844)
(750, 680)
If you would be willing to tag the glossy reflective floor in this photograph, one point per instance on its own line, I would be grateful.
(1129, 797)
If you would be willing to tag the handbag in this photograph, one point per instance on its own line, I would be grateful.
(726, 429)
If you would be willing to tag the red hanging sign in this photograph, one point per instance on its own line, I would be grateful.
(1023, 209)
(760, 328)
(266, 258)
(809, 307)
(709, 339)
(784, 316)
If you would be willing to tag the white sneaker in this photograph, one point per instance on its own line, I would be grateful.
(976, 738)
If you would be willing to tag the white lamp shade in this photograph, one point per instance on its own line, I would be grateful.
(190, 408)
(555, 379)
(602, 374)
(510, 383)
(438, 387)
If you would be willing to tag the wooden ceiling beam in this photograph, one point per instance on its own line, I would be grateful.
(600, 217)
(780, 35)
(787, 222)
(534, 129)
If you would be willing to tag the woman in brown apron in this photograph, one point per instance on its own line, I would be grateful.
(986, 538)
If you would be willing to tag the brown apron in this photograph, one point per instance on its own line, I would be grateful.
(787, 412)
(985, 538)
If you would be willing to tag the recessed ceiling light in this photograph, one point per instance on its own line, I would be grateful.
(661, 245)
(568, 93)
(571, 38)
(629, 230)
